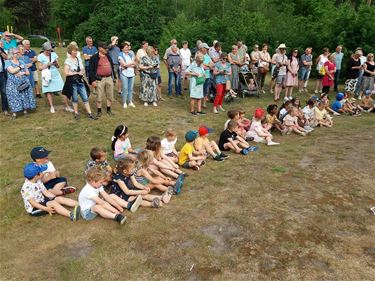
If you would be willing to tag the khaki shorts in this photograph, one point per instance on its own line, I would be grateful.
(104, 88)
(35, 76)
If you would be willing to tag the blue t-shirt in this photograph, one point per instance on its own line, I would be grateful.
(338, 59)
(114, 53)
(89, 51)
(12, 44)
(31, 54)
(207, 60)
(222, 78)
(336, 106)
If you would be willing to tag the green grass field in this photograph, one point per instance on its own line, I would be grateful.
(298, 211)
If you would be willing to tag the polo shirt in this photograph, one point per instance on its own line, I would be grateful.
(89, 51)
(31, 54)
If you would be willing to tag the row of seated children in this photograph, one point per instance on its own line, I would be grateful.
(345, 105)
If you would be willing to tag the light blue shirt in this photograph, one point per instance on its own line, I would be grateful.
(12, 44)
(207, 60)
(338, 59)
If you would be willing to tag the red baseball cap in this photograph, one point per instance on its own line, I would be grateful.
(259, 113)
(203, 130)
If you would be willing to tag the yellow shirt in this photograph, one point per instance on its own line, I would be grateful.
(199, 142)
(186, 150)
(271, 119)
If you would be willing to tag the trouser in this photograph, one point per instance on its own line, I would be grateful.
(177, 83)
(337, 78)
(359, 83)
(220, 92)
(4, 100)
(126, 88)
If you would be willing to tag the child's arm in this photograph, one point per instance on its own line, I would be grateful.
(240, 139)
(126, 190)
(112, 202)
(173, 164)
(36, 205)
(48, 176)
(151, 179)
(161, 165)
(139, 185)
(48, 193)
(131, 150)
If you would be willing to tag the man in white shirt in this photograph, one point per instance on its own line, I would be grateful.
(186, 60)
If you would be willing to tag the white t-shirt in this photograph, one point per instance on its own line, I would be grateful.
(126, 58)
(255, 129)
(321, 62)
(50, 168)
(122, 146)
(185, 56)
(168, 146)
(86, 195)
(31, 190)
(308, 112)
(226, 124)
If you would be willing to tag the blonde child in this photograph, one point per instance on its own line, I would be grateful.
(291, 122)
(98, 160)
(163, 163)
(121, 144)
(273, 121)
(39, 201)
(243, 122)
(51, 177)
(205, 146)
(257, 131)
(230, 140)
(168, 145)
(189, 158)
(301, 116)
(126, 186)
(321, 115)
(367, 102)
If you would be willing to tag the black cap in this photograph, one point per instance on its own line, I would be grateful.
(103, 45)
(39, 152)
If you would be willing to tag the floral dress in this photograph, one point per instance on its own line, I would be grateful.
(18, 101)
(149, 90)
(292, 80)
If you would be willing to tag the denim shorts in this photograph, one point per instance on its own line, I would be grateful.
(88, 214)
(280, 79)
(302, 73)
(79, 89)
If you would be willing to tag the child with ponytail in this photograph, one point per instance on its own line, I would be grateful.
(121, 144)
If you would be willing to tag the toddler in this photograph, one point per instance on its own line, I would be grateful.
(367, 102)
(126, 186)
(51, 177)
(284, 109)
(243, 122)
(291, 122)
(39, 201)
(189, 157)
(98, 160)
(258, 132)
(121, 144)
(321, 115)
(337, 105)
(168, 145)
(309, 113)
(273, 121)
(94, 200)
(234, 114)
(204, 145)
(230, 140)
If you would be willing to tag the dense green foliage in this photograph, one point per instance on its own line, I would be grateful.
(298, 23)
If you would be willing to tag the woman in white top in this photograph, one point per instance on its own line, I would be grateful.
(186, 60)
(320, 61)
(263, 66)
(127, 75)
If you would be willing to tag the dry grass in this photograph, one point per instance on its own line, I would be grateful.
(293, 212)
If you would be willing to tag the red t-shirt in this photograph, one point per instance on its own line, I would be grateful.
(104, 67)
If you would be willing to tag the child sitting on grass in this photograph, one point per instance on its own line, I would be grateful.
(39, 201)
(234, 114)
(284, 109)
(51, 177)
(367, 102)
(95, 201)
(189, 157)
(98, 160)
(257, 131)
(337, 105)
(273, 121)
(302, 122)
(349, 106)
(204, 145)
(309, 113)
(321, 115)
(291, 122)
(324, 98)
(243, 122)
(161, 162)
(126, 186)
(168, 145)
(121, 144)
(230, 140)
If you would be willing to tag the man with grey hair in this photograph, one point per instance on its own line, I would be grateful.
(173, 42)
(88, 51)
(338, 61)
(33, 58)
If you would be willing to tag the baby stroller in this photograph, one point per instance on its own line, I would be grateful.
(248, 82)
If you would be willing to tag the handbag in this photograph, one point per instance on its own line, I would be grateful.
(153, 75)
(23, 86)
(199, 80)
(263, 69)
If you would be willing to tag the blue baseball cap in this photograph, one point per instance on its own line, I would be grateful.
(367, 93)
(339, 96)
(39, 152)
(32, 169)
(191, 135)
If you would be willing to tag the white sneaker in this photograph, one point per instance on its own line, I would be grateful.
(69, 109)
(131, 104)
(215, 110)
(125, 105)
(221, 108)
(290, 98)
(154, 104)
(286, 99)
(272, 143)
(145, 104)
(52, 109)
(336, 113)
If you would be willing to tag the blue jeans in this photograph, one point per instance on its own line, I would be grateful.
(4, 100)
(206, 87)
(127, 84)
(359, 83)
(337, 78)
(177, 83)
(79, 89)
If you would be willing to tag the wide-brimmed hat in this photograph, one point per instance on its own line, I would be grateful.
(282, 46)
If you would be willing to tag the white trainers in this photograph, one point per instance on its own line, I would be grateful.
(69, 109)
(131, 104)
(145, 104)
(336, 113)
(215, 110)
(221, 108)
(52, 109)
(154, 104)
(272, 143)
(286, 99)
(124, 105)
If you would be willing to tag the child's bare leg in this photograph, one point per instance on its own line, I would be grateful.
(192, 105)
(119, 200)
(215, 147)
(208, 149)
(56, 190)
(103, 212)
(59, 209)
(110, 208)
(66, 201)
(232, 147)
(150, 197)
(169, 173)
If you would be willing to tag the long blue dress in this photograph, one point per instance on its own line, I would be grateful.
(56, 84)
(18, 101)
